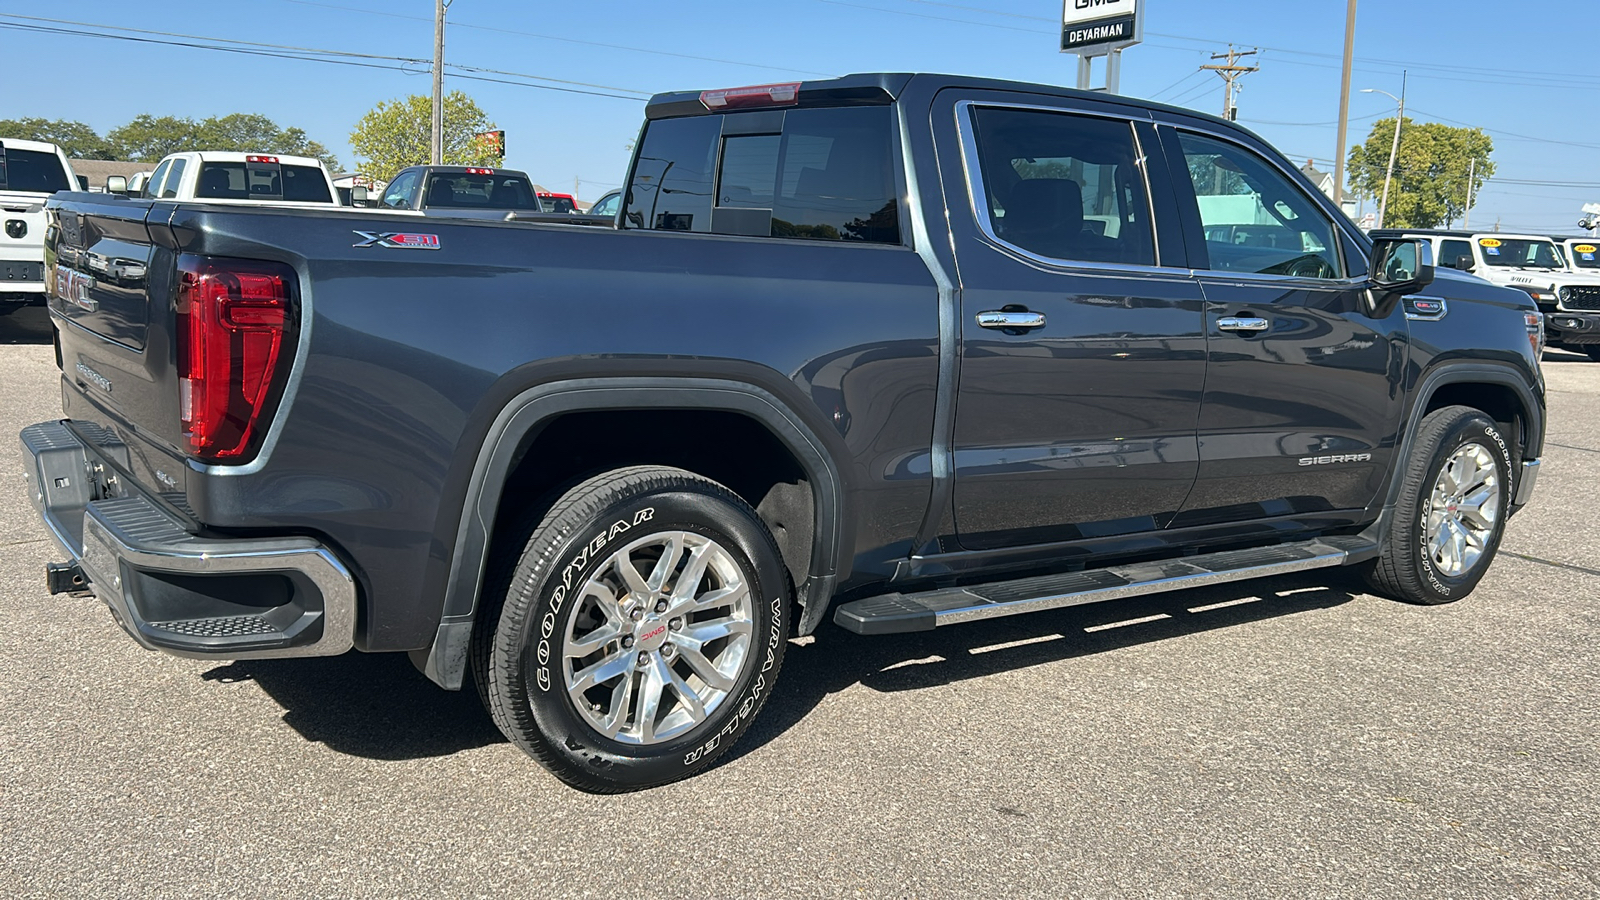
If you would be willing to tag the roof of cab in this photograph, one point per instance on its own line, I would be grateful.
(36, 146)
(237, 156)
(882, 88)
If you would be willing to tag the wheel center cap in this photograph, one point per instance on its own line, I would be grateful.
(650, 634)
(1453, 508)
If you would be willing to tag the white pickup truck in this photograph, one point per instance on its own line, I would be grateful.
(30, 171)
(1568, 297)
(229, 177)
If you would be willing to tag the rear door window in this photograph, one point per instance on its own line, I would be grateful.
(1064, 186)
(821, 174)
(174, 178)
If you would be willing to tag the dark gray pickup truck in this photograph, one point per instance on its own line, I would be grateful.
(912, 350)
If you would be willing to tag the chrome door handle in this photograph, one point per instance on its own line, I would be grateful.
(1247, 324)
(1000, 319)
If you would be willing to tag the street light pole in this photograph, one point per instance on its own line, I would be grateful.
(1388, 175)
(436, 153)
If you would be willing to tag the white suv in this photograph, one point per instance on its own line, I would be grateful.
(30, 171)
(226, 177)
(1569, 299)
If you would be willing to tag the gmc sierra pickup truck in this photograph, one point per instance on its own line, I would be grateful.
(909, 350)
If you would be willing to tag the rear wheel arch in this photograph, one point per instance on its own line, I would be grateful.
(550, 411)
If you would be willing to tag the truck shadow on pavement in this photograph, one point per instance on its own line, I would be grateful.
(372, 705)
(378, 706)
(838, 659)
(28, 325)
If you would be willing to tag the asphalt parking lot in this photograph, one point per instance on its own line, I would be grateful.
(1291, 738)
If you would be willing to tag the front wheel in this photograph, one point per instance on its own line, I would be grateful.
(1451, 511)
(640, 631)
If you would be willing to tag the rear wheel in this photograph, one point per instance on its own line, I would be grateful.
(639, 632)
(1450, 515)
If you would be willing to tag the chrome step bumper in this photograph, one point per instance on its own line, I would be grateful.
(901, 613)
(211, 598)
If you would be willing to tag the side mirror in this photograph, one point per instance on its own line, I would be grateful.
(1401, 267)
(358, 196)
(116, 184)
(83, 182)
(1465, 264)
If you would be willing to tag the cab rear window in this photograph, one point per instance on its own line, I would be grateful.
(262, 181)
(31, 171)
(476, 191)
(812, 174)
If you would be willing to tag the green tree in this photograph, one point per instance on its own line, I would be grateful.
(398, 133)
(1430, 171)
(148, 138)
(79, 140)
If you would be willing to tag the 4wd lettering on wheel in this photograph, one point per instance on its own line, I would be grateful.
(774, 638)
(558, 598)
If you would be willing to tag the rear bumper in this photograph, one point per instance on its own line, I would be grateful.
(174, 591)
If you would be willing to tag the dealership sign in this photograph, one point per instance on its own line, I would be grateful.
(1095, 27)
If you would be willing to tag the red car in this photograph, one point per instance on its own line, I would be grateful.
(557, 203)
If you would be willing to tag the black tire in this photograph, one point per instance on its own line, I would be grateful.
(519, 648)
(1404, 569)
(1592, 351)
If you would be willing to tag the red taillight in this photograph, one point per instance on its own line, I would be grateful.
(471, 171)
(758, 95)
(234, 317)
(261, 159)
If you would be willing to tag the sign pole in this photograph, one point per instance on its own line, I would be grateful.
(1094, 28)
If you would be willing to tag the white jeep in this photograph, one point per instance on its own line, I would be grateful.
(1569, 298)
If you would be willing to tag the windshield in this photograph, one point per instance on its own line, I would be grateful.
(1517, 253)
(31, 171)
(1586, 256)
(470, 191)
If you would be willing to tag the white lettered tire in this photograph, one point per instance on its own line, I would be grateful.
(1455, 493)
(639, 632)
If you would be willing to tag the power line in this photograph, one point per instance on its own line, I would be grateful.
(308, 54)
(566, 40)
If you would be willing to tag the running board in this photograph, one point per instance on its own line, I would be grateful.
(902, 613)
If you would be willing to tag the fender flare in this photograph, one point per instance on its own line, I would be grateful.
(1462, 373)
(445, 662)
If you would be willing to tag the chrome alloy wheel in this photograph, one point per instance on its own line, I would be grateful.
(1463, 510)
(660, 634)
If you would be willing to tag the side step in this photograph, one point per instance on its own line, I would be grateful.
(902, 613)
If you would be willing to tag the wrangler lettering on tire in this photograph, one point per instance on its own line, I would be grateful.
(639, 631)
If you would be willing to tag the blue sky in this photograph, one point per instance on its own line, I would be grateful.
(1540, 110)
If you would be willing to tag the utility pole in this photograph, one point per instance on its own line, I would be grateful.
(1231, 72)
(1472, 172)
(1344, 103)
(436, 155)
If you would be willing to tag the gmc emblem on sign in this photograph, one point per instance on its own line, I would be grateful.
(397, 239)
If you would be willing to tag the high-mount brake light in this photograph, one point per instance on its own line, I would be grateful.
(480, 171)
(234, 318)
(756, 95)
(261, 159)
